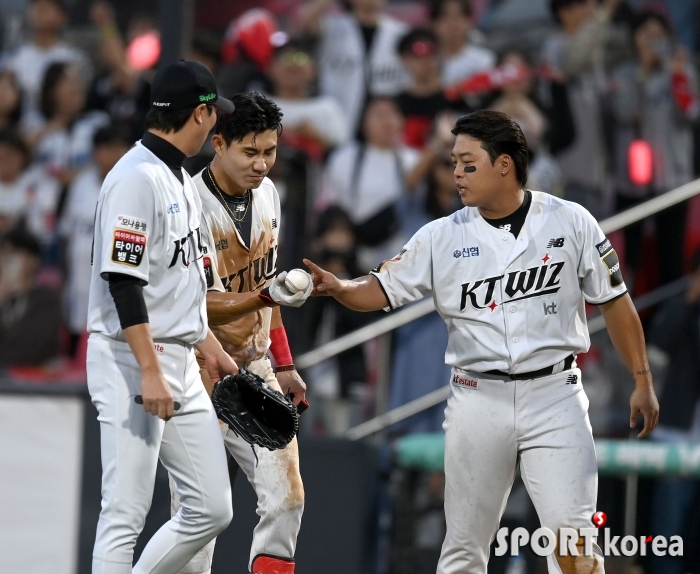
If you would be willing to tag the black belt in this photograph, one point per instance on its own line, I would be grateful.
(534, 374)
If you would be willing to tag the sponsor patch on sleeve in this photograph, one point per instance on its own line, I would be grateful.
(131, 223)
(378, 268)
(128, 247)
(609, 257)
(208, 272)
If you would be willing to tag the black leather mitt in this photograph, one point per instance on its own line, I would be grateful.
(254, 411)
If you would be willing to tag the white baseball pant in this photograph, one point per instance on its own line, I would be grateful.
(277, 482)
(189, 445)
(491, 425)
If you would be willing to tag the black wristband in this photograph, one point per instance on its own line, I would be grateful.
(265, 296)
(127, 293)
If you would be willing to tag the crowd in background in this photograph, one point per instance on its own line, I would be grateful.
(605, 91)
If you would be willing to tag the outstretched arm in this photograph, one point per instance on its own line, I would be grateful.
(361, 294)
(626, 333)
(222, 308)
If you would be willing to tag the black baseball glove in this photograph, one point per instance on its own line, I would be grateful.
(254, 411)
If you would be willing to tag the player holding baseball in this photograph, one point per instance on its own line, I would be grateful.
(510, 274)
(240, 228)
(147, 313)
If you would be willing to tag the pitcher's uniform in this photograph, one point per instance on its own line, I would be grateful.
(515, 313)
(230, 265)
(147, 226)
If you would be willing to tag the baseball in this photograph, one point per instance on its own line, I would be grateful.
(297, 280)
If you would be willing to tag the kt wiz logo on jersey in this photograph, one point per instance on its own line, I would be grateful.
(532, 282)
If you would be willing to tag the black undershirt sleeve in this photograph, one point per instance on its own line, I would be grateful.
(127, 293)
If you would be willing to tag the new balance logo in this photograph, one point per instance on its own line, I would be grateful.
(559, 242)
(572, 379)
(505, 227)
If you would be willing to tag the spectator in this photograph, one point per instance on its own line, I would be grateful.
(335, 381)
(26, 192)
(516, 101)
(47, 18)
(206, 49)
(247, 50)
(435, 168)
(312, 123)
(453, 24)
(30, 320)
(357, 53)
(654, 98)
(423, 342)
(577, 56)
(78, 222)
(423, 100)
(370, 179)
(65, 144)
(10, 101)
(120, 91)
(675, 329)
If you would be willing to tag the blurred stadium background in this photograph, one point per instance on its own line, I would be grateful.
(607, 95)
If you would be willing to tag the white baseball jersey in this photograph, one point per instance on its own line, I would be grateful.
(77, 227)
(147, 226)
(514, 305)
(232, 266)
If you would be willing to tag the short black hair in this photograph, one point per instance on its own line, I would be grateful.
(436, 7)
(170, 120)
(556, 5)
(498, 135)
(112, 134)
(293, 45)
(254, 113)
(58, 3)
(648, 15)
(12, 139)
(16, 113)
(207, 42)
(53, 75)
(23, 240)
(413, 36)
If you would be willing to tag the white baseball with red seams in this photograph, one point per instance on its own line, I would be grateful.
(297, 280)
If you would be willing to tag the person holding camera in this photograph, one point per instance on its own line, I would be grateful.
(654, 103)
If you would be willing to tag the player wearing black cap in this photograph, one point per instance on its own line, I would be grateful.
(146, 315)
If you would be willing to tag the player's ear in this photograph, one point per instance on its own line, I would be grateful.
(218, 143)
(200, 113)
(505, 163)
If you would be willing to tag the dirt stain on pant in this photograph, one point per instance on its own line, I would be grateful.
(579, 564)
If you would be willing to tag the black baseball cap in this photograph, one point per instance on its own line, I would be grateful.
(186, 84)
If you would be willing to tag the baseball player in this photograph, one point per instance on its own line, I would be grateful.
(510, 274)
(146, 315)
(240, 229)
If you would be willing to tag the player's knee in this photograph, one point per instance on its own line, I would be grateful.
(295, 499)
(220, 517)
(292, 505)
